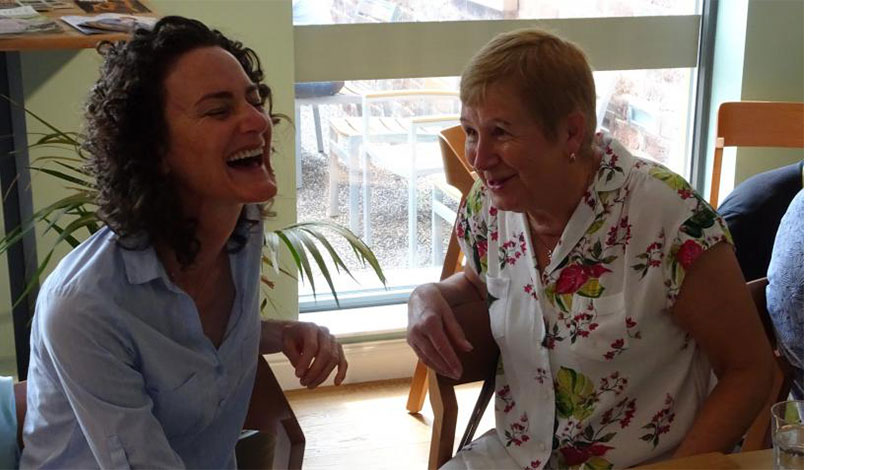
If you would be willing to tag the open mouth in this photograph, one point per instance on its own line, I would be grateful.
(498, 183)
(245, 159)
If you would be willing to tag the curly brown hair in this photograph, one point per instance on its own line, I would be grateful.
(126, 135)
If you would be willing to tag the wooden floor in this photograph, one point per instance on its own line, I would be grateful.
(367, 426)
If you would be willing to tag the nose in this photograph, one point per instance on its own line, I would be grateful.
(479, 152)
(255, 119)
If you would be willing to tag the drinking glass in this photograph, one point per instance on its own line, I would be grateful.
(788, 434)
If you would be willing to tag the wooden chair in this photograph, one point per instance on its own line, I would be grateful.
(759, 434)
(755, 124)
(478, 364)
(460, 175)
(269, 413)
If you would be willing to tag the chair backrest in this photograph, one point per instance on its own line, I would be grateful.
(755, 124)
(460, 175)
(759, 434)
(269, 412)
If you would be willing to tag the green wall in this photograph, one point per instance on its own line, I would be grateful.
(773, 70)
(759, 55)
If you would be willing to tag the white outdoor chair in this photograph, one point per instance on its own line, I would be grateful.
(388, 141)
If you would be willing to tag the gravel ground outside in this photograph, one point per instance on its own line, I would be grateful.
(388, 206)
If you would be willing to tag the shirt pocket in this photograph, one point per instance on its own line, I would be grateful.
(605, 321)
(497, 305)
(187, 408)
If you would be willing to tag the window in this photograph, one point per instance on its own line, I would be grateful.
(644, 53)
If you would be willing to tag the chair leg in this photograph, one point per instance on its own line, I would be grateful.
(332, 209)
(417, 393)
(444, 408)
(318, 128)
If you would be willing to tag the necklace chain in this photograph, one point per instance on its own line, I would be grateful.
(548, 249)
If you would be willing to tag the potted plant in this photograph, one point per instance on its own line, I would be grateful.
(305, 242)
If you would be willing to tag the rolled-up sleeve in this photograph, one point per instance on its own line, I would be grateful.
(81, 345)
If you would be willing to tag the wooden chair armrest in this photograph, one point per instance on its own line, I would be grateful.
(481, 361)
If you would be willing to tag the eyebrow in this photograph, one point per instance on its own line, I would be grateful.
(226, 95)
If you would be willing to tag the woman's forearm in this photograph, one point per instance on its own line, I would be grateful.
(728, 412)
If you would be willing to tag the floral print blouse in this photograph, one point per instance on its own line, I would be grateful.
(594, 373)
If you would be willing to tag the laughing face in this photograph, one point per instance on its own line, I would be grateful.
(219, 134)
(522, 168)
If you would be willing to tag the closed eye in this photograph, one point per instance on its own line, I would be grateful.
(221, 111)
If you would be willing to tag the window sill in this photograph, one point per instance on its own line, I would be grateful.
(357, 325)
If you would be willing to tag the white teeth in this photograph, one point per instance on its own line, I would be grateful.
(255, 152)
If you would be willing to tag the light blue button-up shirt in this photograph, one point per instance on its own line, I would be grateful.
(121, 374)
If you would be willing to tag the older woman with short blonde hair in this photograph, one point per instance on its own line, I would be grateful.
(610, 286)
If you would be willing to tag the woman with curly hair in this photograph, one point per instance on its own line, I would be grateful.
(146, 336)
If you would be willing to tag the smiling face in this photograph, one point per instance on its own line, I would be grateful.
(219, 134)
(522, 168)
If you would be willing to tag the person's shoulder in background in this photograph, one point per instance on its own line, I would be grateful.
(753, 212)
(785, 288)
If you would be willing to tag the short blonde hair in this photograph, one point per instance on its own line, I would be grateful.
(551, 74)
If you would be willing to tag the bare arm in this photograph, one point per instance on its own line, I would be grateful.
(716, 309)
(433, 332)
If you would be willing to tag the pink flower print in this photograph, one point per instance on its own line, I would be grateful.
(685, 193)
(505, 395)
(531, 291)
(494, 236)
(571, 279)
(617, 348)
(660, 423)
(517, 433)
(482, 248)
(596, 270)
(492, 211)
(688, 252)
(534, 465)
(629, 322)
(460, 231)
(629, 412)
(578, 454)
(541, 375)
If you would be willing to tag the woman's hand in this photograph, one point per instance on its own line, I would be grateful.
(433, 331)
(311, 350)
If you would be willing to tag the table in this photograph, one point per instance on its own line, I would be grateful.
(758, 459)
(14, 183)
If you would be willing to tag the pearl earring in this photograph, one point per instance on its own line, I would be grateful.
(572, 157)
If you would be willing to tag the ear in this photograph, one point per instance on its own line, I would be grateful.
(574, 132)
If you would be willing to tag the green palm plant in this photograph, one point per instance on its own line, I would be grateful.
(305, 242)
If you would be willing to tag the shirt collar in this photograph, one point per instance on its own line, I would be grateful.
(615, 163)
(142, 265)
